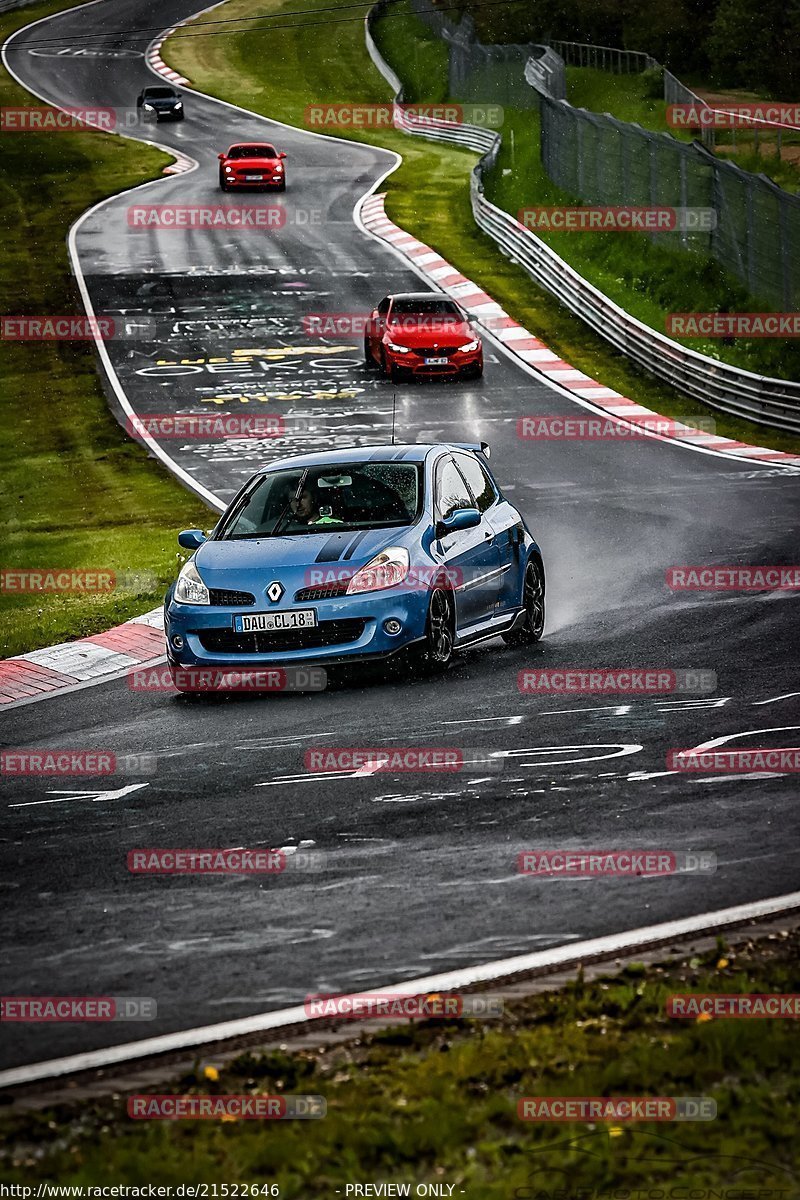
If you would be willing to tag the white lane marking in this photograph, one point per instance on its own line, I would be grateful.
(445, 981)
(730, 737)
(71, 794)
(485, 720)
(619, 710)
(775, 699)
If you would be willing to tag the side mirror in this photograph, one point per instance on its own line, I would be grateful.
(220, 157)
(191, 539)
(462, 518)
(281, 155)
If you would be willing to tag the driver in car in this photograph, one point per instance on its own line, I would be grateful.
(304, 508)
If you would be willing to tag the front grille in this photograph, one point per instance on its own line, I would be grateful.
(323, 591)
(439, 352)
(228, 598)
(328, 633)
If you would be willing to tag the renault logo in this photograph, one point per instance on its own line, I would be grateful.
(275, 591)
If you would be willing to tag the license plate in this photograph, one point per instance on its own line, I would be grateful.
(436, 362)
(254, 177)
(302, 618)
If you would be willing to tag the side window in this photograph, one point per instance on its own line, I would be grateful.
(479, 482)
(383, 307)
(451, 491)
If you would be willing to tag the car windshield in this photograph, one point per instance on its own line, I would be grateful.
(434, 315)
(365, 495)
(433, 307)
(252, 152)
(159, 93)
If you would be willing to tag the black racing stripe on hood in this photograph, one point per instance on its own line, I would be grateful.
(356, 542)
(332, 550)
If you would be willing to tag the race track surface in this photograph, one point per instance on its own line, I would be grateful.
(416, 873)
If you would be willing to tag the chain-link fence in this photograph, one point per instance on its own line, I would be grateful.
(598, 159)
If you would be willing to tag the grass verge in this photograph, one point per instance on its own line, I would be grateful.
(75, 492)
(428, 195)
(436, 1101)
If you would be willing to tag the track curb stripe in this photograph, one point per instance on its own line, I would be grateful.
(59, 668)
(522, 344)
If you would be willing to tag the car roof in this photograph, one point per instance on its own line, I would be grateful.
(403, 452)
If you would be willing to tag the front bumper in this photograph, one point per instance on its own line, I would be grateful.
(250, 185)
(457, 365)
(209, 639)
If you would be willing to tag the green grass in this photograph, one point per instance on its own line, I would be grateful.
(75, 491)
(429, 196)
(436, 1102)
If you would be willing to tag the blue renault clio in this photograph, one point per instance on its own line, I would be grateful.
(358, 554)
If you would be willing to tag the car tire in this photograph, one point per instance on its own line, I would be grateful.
(533, 601)
(282, 186)
(223, 183)
(433, 655)
(368, 357)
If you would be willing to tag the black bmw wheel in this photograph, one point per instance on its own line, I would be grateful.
(532, 628)
(368, 358)
(433, 654)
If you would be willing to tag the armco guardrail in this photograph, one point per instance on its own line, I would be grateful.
(730, 389)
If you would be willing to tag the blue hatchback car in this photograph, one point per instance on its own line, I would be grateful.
(357, 554)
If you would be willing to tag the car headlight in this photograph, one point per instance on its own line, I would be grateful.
(399, 349)
(229, 169)
(148, 107)
(468, 347)
(189, 587)
(178, 104)
(385, 570)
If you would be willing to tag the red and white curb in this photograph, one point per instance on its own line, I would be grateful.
(156, 63)
(181, 165)
(60, 668)
(521, 343)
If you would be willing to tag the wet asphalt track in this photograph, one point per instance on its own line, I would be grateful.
(416, 873)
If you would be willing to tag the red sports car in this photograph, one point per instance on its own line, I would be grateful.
(252, 165)
(422, 334)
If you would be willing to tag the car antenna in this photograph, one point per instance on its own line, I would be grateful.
(394, 413)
